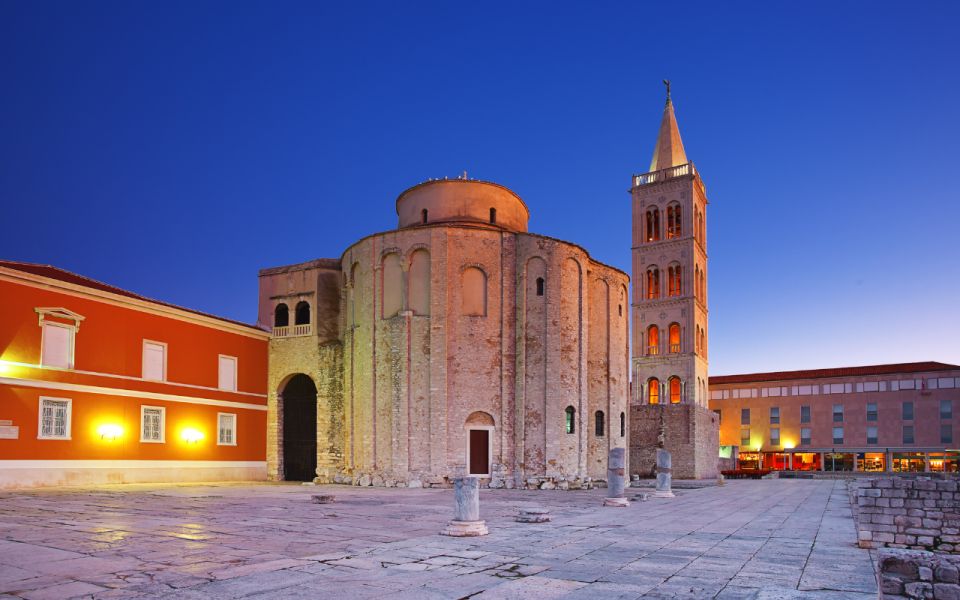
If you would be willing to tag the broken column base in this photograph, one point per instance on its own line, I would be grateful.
(662, 494)
(533, 515)
(616, 502)
(465, 529)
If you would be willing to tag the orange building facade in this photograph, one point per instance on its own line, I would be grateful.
(100, 385)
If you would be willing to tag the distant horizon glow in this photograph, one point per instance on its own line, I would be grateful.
(176, 151)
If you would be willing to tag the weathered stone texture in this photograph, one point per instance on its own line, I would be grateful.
(915, 513)
(917, 574)
(691, 435)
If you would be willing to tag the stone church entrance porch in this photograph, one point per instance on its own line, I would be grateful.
(298, 402)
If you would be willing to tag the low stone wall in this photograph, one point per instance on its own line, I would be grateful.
(918, 574)
(919, 514)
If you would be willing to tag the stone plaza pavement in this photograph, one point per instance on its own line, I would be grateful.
(770, 539)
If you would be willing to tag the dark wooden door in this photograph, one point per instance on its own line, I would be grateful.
(479, 452)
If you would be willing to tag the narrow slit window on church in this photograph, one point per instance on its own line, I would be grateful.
(600, 423)
(423, 215)
(623, 424)
(539, 286)
(493, 215)
(570, 414)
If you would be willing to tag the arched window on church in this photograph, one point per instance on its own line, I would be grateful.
(653, 224)
(673, 280)
(653, 391)
(600, 425)
(653, 283)
(539, 286)
(653, 340)
(623, 424)
(391, 288)
(673, 221)
(570, 415)
(474, 292)
(675, 389)
(301, 315)
(418, 282)
(696, 339)
(703, 341)
(281, 315)
(674, 333)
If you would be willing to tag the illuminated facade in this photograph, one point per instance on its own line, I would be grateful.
(458, 342)
(100, 385)
(900, 417)
(669, 363)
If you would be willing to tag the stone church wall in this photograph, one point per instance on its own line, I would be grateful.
(691, 436)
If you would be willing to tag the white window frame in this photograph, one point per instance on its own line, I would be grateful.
(220, 442)
(236, 367)
(163, 424)
(69, 424)
(143, 359)
(71, 343)
(489, 429)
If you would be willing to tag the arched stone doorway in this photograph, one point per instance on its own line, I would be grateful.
(299, 413)
(480, 427)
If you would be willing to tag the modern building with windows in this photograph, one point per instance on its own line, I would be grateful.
(101, 385)
(900, 418)
(457, 343)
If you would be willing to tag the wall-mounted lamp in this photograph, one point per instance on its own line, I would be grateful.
(110, 432)
(191, 436)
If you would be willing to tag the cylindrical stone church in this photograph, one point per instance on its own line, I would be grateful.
(456, 343)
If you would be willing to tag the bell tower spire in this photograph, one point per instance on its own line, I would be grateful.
(669, 149)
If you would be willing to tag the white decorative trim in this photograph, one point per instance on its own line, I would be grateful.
(128, 464)
(67, 426)
(163, 424)
(127, 377)
(94, 389)
(115, 299)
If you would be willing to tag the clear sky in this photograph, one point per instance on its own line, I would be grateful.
(175, 148)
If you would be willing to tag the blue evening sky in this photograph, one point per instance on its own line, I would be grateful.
(175, 148)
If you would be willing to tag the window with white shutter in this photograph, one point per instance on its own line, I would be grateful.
(57, 346)
(227, 379)
(152, 424)
(227, 429)
(54, 419)
(154, 361)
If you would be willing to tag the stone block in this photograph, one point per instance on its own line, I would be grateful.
(946, 591)
(947, 574)
(890, 584)
(925, 573)
(918, 589)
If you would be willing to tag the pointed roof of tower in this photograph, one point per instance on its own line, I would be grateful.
(669, 149)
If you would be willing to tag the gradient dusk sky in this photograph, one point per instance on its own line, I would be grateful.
(175, 148)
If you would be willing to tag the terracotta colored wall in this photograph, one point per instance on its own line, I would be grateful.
(109, 342)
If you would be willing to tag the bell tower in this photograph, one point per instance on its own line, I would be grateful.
(669, 306)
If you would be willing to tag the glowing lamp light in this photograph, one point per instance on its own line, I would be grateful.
(110, 432)
(191, 436)
(789, 445)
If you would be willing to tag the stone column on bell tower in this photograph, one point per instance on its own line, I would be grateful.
(669, 311)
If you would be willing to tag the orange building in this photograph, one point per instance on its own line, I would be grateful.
(101, 385)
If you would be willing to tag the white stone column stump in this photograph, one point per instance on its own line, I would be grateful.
(664, 475)
(466, 515)
(533, 514)
(616, 478)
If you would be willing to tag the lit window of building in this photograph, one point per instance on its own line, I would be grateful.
(774, 415)
(805, 436)
(744, 437)
(653, 390)
(775, 437)
(675, 390)
(674, 338)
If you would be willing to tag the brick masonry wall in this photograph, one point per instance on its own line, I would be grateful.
(918, 574)
(920, 513)
(691, 435)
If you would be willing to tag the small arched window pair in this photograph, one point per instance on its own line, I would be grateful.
(653, 283)
(675, 389)
(673, 221)
(674, 287)
(653, 340)
(653, 224)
